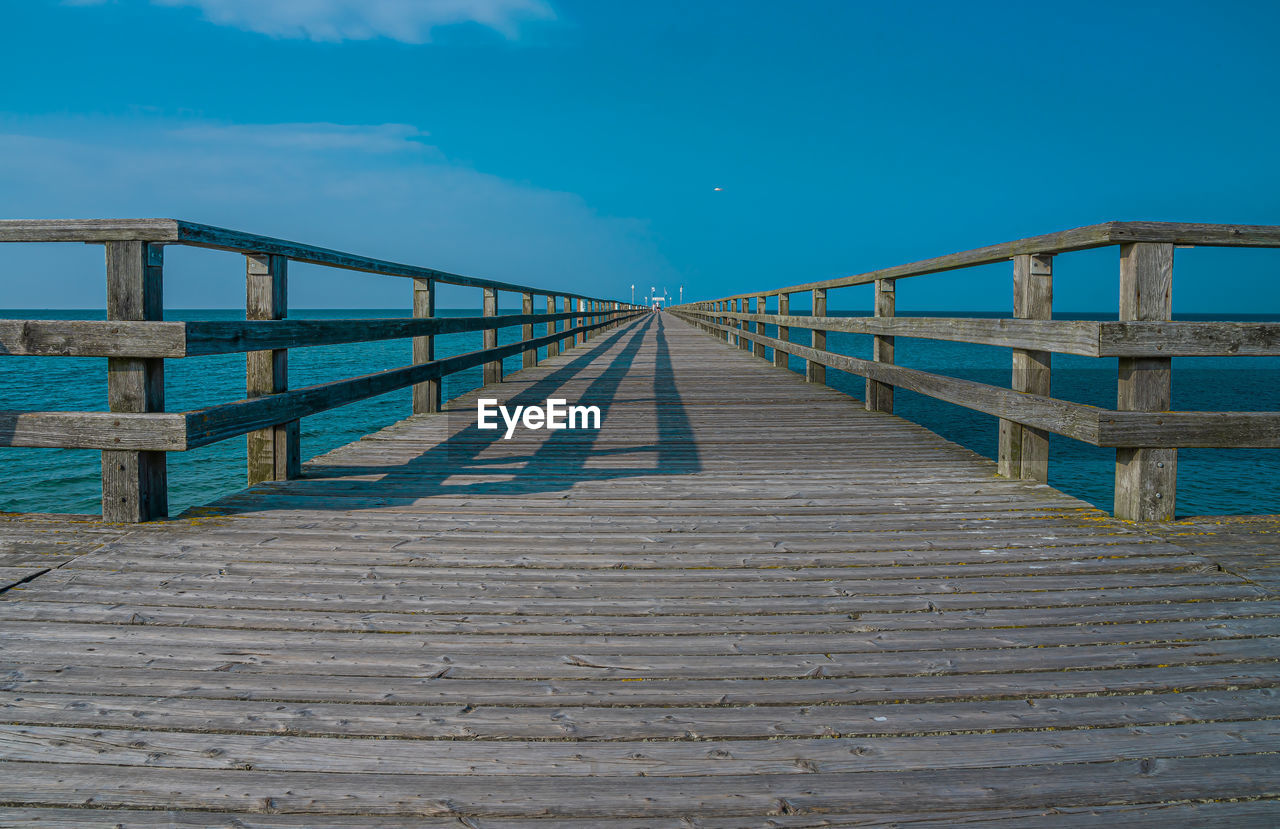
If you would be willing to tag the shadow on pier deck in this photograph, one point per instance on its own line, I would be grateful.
(739, 604)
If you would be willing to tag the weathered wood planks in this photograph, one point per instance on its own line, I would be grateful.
(642, 627)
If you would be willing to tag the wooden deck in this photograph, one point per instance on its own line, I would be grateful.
(746, 602)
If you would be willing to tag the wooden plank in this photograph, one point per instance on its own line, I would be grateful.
(837, 755)
(89, 230)
(1252, 814)
(1146, 479)
(1068, 784)
(626, 691)
(573, 723)
(126, 432)
(1188, 339)
(1168, 431)
(134, 483)
(93, 338)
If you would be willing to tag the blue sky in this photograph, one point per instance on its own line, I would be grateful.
(578, 144)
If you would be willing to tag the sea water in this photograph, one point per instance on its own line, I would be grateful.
(1210, 481)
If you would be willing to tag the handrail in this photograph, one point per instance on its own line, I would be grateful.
(1145, 433)
(137, 432)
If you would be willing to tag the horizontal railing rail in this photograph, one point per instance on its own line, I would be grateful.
(98, 338)
(1142, 428)
(137, 431)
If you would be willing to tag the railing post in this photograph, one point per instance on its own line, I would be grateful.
(816, 372)
(135, 485)
(762, 304)
(493, 370)
(1146, 479)
(529, 358)
(879, 396)
(568, 323)
(273, 452)
(553, 347)
(780, 358)
(1024, 451)
(426, 396)
(743, 308)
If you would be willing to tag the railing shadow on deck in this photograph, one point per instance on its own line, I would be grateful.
(554, 463)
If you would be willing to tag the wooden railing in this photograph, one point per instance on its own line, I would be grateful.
(137, 431)
(1143, 430)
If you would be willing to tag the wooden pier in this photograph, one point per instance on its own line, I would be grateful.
(747, 601)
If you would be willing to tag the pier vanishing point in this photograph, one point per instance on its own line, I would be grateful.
(749, 600)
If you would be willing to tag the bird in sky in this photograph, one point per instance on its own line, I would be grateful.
(719, 189)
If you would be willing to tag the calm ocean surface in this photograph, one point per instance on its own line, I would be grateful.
(1210, 481)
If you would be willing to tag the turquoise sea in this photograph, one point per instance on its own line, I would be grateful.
(1210, 481)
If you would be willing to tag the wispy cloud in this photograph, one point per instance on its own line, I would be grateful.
(317, 137)
(361, 188)
(409, 21)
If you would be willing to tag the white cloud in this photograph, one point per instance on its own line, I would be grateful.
(409, 21)
(379, 138)
(356, 192)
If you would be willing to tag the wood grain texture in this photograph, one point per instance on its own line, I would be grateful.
(492, 369)
(760, 309)
(1146, 478)
(434, 626)
(273, 452)
(878, 397)
(1027, 449)
(781, 358)
(815, 371)
(134, 483)
(530, 357)
(427, 396)
(553, 347)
